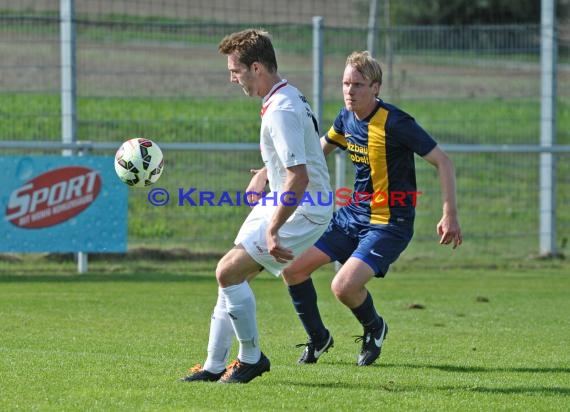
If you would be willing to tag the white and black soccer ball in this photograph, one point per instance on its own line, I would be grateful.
(139, 162)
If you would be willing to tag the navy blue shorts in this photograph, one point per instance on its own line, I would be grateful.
(376, 245)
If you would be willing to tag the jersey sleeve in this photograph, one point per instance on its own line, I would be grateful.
(288, 135)
(335, 135)
(411, 134)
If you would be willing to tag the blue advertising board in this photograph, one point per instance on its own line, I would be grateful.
(62, 204)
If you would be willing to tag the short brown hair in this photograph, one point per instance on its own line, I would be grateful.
(251, 45)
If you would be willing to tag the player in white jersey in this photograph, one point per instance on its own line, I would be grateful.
(280, 226)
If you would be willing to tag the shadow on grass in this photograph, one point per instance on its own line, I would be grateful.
(531, 390)
(391, 386)
(472, 369)
(464, 369)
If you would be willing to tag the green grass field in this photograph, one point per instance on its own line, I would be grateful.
(494, 329)
(119, 338)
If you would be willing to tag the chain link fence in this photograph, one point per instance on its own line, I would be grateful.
(151, 69)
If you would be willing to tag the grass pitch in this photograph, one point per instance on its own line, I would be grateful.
(119, 338)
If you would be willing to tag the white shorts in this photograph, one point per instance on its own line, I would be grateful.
(298, 234)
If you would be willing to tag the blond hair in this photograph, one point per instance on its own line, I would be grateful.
(366, 65)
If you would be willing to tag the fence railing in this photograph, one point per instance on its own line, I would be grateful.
(497, 190)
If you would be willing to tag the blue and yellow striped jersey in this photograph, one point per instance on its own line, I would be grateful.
(381, 148)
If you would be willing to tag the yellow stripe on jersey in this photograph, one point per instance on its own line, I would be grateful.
(337, 138)
(379, 206)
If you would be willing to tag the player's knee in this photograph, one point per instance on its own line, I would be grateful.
(292, 276)
(223, 273)
(231, 270)
(337, 289)
(344, 291)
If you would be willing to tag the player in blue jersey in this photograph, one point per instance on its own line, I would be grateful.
(368, 234)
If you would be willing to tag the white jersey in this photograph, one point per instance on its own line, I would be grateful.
(289, 137)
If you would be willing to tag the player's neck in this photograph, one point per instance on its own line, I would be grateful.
(365, 112)
(272, 80)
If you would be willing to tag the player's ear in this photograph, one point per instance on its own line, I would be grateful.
(376, 88)
(256, 67)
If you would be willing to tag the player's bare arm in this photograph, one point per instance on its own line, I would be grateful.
(448, 227)
(257, 185)
(296, 183)
(327, 147)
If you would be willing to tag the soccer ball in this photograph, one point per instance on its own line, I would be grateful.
(139, 162)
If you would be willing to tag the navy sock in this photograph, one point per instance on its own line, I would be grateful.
(304, 298)
(367, 315)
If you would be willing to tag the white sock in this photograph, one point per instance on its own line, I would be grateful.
(221, 337)
(240, 303)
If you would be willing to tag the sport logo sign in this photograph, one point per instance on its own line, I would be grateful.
(53, 197)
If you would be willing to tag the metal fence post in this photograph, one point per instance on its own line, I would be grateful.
(68, 89)
(547, 197)
(318, 68)
(68, 73)
(372, 27)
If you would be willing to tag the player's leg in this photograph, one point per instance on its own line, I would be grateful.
(232, 273)
(297, 277)
(219, 343)
(334, 244)
(349, 288)
(348, 285)
(249, 255)
(221, 335)
(220, 338)
(375, 252)
(297, 234)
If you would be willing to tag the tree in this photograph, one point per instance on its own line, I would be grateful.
(465, 12)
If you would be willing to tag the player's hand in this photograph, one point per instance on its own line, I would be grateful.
(256, 188)
(449, 231)
(280, 254)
